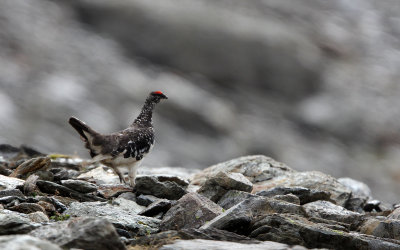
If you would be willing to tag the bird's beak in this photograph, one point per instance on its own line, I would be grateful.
(164, 97)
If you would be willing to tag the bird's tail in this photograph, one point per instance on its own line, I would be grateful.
(84, 130)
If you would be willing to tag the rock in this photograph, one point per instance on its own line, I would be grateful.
(304, 194)
(13, 223)
(291, 198)
(191, 211)
(233, 197)
(123, 215)
(80, 186)
(330, 211)
(129, 196)
(11, 192)
(82, 233)
(53, 188)
(21, 242)
(31, 166)
(30, 184)
(238, 218)
(358, 188)
(296, 230)
(112, 190)
(216, 186)
(63, 174)
(100, 176)
(38, 217)
(27, 208)
(9, 201)
(48, 207)
(256, 168)
(160, 206)
(190, 233)
(311, 180)
(160, 186)
(372, 205)
(59, 206)
(145, 200)
(395, 215)
(10, 182)
(383, 228)
(225, 245)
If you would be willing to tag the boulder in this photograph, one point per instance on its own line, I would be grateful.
(216, 186)
(122, 213)
(80, 186)
(171, 188)
(20, 242)
(82, 233)
(190, 211)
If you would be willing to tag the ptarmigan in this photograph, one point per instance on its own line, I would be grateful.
(126, 148)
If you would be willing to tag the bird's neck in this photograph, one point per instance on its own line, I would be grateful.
(145, 116)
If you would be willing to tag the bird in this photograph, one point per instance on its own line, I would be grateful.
(125, 148)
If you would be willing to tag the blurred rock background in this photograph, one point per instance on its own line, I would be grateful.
(312, 83)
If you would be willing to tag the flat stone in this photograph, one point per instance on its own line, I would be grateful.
(80, 186)
(233, 197)
(122, 213)
(145, 200)
(113, 190)
(296, 230)
(291, 198)
(129, 196)
(313, 180)
(31, 165)
(53, 188)
(238, 218)
(38, 217)
(13, 223)
(395, 215)
(21, 242)
(216, 186)
(81, 233)
(63, 174)
(256, 168)
(305, 195)
(225, 245)
(58, 205)
(160, 206)
(100, 176)
(330, 211)
(27, 208)
(11, 192)
(7, 182)
(384, 228)
(191, 211)
(160, 187)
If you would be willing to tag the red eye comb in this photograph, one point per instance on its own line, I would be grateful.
(158, 92)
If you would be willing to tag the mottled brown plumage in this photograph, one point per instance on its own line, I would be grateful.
(126, 148)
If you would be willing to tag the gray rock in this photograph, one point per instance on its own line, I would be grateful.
(100, 176)
(216, 186)
(372, 205)
(13, 223)
(256, 168)
(239, 217)
(395, 215)
(296, 230)
(160, 206)
(383, 228)
(22, 242)
(11, 192)
(7, 182)
(330, 211)
(358, 188)
(145, 200)
(38, 217)
(225, 245)
(123, 215)
(304, 194)
(129, 196)
(83, 233)
(80, 186)
(31, 166)
(233, 197)
(27, 208)
(160, 186)
(54, 188)
(112, 190)
(311, 180)
(191, 211)
(291, 198)
(63, 174)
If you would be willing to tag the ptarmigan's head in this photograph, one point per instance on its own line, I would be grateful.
(157, 96)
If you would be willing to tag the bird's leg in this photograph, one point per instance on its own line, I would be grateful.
(120, 175)
(132, 174)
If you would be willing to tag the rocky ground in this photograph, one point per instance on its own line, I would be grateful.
(252, 202)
